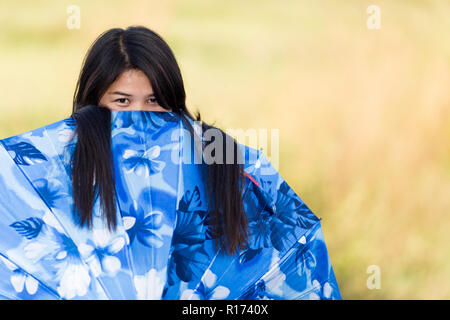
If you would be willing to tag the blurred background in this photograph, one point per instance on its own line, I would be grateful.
(363, 113)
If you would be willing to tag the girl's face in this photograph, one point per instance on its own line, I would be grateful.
(131, 91)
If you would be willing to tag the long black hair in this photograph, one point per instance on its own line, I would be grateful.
(113, 52)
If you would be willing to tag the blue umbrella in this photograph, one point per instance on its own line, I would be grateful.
(161, 248)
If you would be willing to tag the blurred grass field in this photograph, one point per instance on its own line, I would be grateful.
(364, 115)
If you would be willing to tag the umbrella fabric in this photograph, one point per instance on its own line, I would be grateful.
(162, 247)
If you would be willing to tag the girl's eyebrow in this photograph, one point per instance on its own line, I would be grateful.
(121, 93)
(128, 95)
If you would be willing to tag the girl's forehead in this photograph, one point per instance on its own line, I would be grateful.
(132, 82)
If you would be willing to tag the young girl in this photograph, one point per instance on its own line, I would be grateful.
(109, 204)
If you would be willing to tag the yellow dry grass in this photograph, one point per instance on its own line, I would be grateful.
(364, 115)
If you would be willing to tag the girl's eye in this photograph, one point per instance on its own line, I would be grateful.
(122, 100)
(152, 100)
